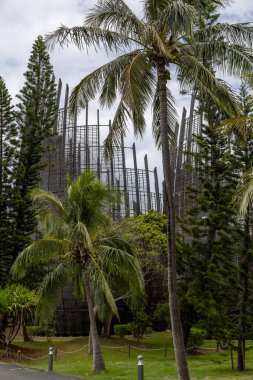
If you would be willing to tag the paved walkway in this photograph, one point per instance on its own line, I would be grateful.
(14, 372)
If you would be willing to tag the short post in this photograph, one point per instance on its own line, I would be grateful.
(129, 350)
(50, 358)
(19, 356)
(165, 351)
(140, 368)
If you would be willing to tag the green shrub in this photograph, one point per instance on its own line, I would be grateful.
(34, 331)
(140, 324)
(148, 330)
(161, 318)
(122, 330)
(196, 337)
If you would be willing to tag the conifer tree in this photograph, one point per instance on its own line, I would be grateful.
(211, 234)
(243, 150)
(8, 157)
(36, 117)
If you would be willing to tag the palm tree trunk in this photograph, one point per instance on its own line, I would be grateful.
(90, 344)
(98, 361)
(177, 333)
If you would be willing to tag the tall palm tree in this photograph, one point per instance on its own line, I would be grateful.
(73, 244)
(150, 48)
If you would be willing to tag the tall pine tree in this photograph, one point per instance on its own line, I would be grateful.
(8, 160)
(36, 117)
(210, 234)
(243, 151)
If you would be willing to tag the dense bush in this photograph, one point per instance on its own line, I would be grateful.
(140, 324)
(161, 317)
(122, 330)
(34, 331)
(196, 337)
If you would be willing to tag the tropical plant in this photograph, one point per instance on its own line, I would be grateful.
(163, 39)
(17, 304)
(73, 245)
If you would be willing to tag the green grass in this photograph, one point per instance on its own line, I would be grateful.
(121, 367)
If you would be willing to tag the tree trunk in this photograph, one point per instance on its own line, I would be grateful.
(168, 172)
(90, 344)
(24, 331)
(98, 361)
(107, 325)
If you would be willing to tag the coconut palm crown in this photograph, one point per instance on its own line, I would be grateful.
(149, 52)
(73, 245)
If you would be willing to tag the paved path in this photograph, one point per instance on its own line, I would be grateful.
(14, 372)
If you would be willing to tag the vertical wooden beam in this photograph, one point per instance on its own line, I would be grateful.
(157, 193)
(87, 137)
(111, 161)
(126, 197)
(190, 125)
(148, 182)
(63, 142)
(74, 146)
(181, 141)
(58, 99)
(98, 157)
(79, 158)
(137, 192)
(118, 216)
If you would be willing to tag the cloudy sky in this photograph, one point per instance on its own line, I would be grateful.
(21, 21)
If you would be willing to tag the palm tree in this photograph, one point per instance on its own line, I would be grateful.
(73, 244)
(164, 39)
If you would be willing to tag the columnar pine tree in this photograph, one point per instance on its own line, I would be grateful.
(211, 235)
(243, 149)
(36, 117)
(8, 157)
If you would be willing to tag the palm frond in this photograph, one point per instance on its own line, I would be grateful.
(235, 34)
(85, 37)
(115, 15)
(172, 117)
(81, 233)
(89, 201)
(179, 17)
(137, 89)
(50, 291)
(244, 193)
(152, 9)
(193, 73)
(52, 224)
(97, 277)
(138, 83)
(123, 265)
(241, 125)
(48, 200)
(106, 78)
(39, 252)
(118, 129)
(231, 59)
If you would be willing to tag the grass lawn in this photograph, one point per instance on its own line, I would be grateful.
(120, 366)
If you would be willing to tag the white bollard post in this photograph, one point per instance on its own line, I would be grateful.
(140, 368)
(50, 358)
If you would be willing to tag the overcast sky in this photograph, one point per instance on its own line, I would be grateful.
(21, 21)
